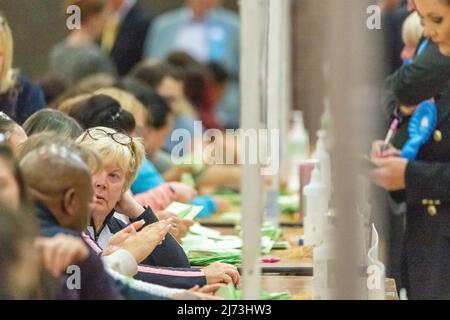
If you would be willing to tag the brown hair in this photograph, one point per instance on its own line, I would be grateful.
(88, 8)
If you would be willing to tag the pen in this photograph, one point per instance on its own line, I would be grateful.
(390, 135)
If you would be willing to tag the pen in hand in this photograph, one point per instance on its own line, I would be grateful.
(391, 133)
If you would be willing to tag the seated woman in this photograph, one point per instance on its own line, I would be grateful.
(52, 120)
(102, 110)
(122, 156)
(79, 55)
(12, 134)
(19, 97)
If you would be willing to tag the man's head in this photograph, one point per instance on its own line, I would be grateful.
(201, 7)
(60, 179)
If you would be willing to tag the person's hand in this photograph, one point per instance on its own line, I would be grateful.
(128, 206)
(208, 289)
(221, 273)
(407, 111)
(378, 153)
(223, 205)
(180, 227)
(183, 192)
(61, 251)
(193, 295)
(120, 237)
(390, 173)
(142, 243)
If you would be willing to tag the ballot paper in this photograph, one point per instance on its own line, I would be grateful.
(229, 292)
(184, 211)
(200, 230)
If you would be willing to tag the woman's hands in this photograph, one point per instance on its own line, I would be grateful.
(218, 272)
(128, 206)
(184, 193)
(391, 170)
(180, 227)
(139, 243)
(377, 151)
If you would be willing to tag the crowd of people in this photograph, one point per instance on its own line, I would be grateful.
(85, 152)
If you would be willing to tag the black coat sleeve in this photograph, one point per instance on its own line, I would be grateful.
(169, 253)
(423, 79)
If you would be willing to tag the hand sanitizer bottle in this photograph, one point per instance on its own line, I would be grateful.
(322, 155)
(326, 123)
(324, 282)
(298, 148)
(316, 206)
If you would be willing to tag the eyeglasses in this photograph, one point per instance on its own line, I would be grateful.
(4, 116)
(120, 138)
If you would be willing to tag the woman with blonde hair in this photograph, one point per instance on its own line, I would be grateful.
(19, 97)
(167, 264)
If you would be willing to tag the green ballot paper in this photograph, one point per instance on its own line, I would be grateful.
(229, 292)
(184, 211)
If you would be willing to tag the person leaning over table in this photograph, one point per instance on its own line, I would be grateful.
(426, 180)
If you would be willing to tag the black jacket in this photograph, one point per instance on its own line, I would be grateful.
(427, 193)
(128, 48)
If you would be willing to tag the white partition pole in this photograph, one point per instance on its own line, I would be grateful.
(252, 209)
(286, 82)
(275, 84)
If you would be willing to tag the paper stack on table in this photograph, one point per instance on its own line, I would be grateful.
(204, 245)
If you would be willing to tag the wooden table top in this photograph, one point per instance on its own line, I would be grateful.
(301, 287)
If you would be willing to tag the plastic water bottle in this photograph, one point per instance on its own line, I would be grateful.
(298, 147)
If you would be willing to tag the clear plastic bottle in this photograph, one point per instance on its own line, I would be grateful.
(316, 207)
(326, 123)
(324, 282)
(298, 148)
(322, 155)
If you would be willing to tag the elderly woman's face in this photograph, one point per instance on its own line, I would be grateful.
(9, 189)
(108, 184)
(435, 17)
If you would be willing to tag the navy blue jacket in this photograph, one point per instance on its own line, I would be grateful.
(129, 45)
(24, 99)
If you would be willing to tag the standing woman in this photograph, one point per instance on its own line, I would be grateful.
(19, 97)
(426, 180)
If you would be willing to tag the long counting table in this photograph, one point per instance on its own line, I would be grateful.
(301, 287)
